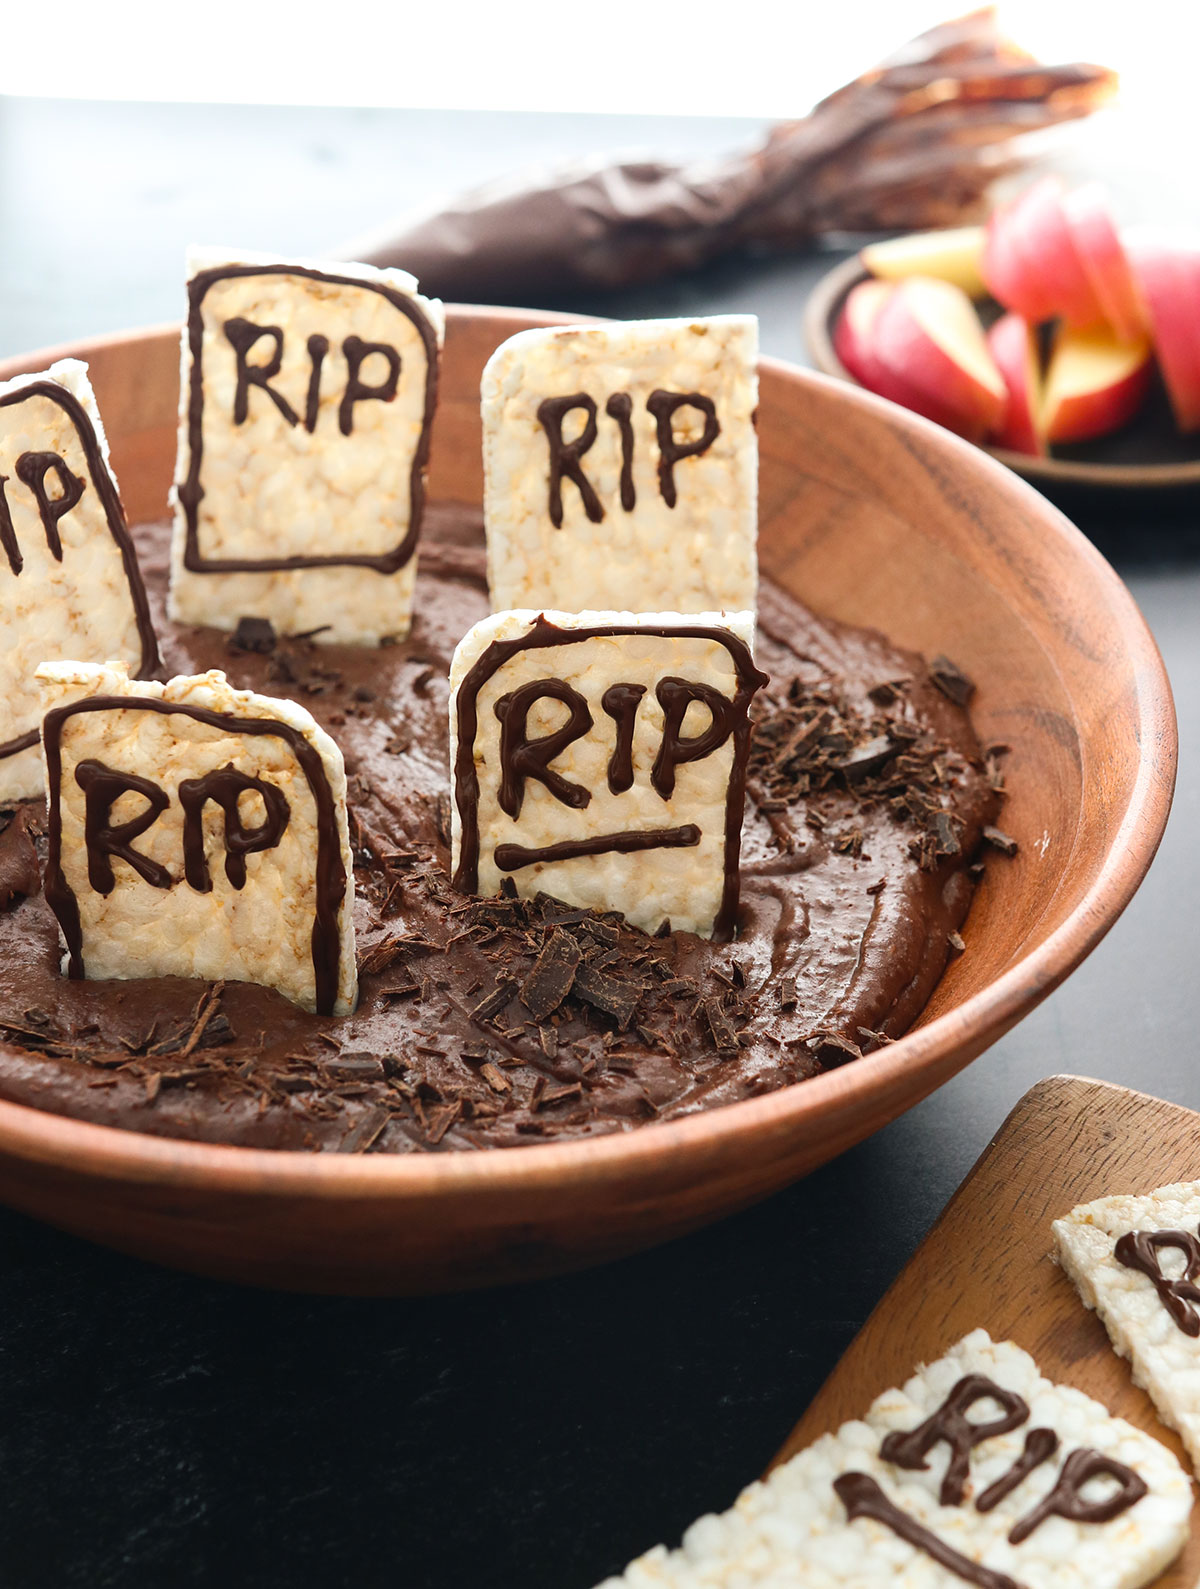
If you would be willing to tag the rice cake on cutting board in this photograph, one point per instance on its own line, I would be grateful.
(988, 1262)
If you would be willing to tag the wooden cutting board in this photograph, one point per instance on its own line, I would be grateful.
(987, 1260)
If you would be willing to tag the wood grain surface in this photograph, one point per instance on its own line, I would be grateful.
(987, 1260)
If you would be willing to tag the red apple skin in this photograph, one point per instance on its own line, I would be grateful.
(1014, 348)
(1043, 238)
(852, 333)
(1013, 279)
(1168, 274)
(928, 335)
(854, 344)
(1084, 413)
(1099, 246)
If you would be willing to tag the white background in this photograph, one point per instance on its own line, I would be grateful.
(761, 58)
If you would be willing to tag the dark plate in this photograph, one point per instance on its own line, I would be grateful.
(1149, 453)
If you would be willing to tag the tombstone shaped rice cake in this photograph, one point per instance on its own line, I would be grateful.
(196, 830)
(601, 757)
(620, 462)
(69, 580)
(1136, 1261)
(977, 1471)
(306, 405)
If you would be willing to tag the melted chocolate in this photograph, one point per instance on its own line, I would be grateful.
(102, 787)
(1040, 1446)
(32, 469)
(522, 757)
(950, 1425)
(511, 857)
(104, 842)
(318, 347)
(192, 489)
(226, 786)
(664, 406)
(565, 455)
(620, 408)
(621, 702)
(677, 749)
(242, 335)
(357, 352)
(51, 512)
(1139, 1249)
(845, 911)
(862, 1497)
(729, 718)
(1081, 1468)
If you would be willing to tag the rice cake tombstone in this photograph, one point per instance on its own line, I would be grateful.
(69, 578)
(601, 757)
(1136, 1261)
(306, 408)
(196, 830)
(976, 1471)
(621, 461)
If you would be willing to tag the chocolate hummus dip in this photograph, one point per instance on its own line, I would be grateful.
(500, 1022)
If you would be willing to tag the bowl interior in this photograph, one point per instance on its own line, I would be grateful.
(873, 517)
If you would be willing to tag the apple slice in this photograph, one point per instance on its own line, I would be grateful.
(954, 255)
(1013, 344)
(1013, 279)
(854, 344)
(1044, 239)
(1168, 273)
(1098, 244)
(928, 336)
(1095, 383)
(853, 332)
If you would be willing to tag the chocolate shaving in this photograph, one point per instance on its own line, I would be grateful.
(494, 1002)
(253, 634)
(951, 680)
(552, 975)
(366, 1133)
(607, 994)
(1000, 840)
(718, 1022)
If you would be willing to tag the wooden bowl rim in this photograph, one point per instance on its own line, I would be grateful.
(113, 1153)
(819, 311)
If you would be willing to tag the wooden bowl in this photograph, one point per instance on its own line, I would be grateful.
(1148, 454)
(872, 516)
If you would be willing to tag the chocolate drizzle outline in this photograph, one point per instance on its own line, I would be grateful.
(114, 515)
(1138, 1250)
(545, 634)
(330, 869)
(190, 492)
